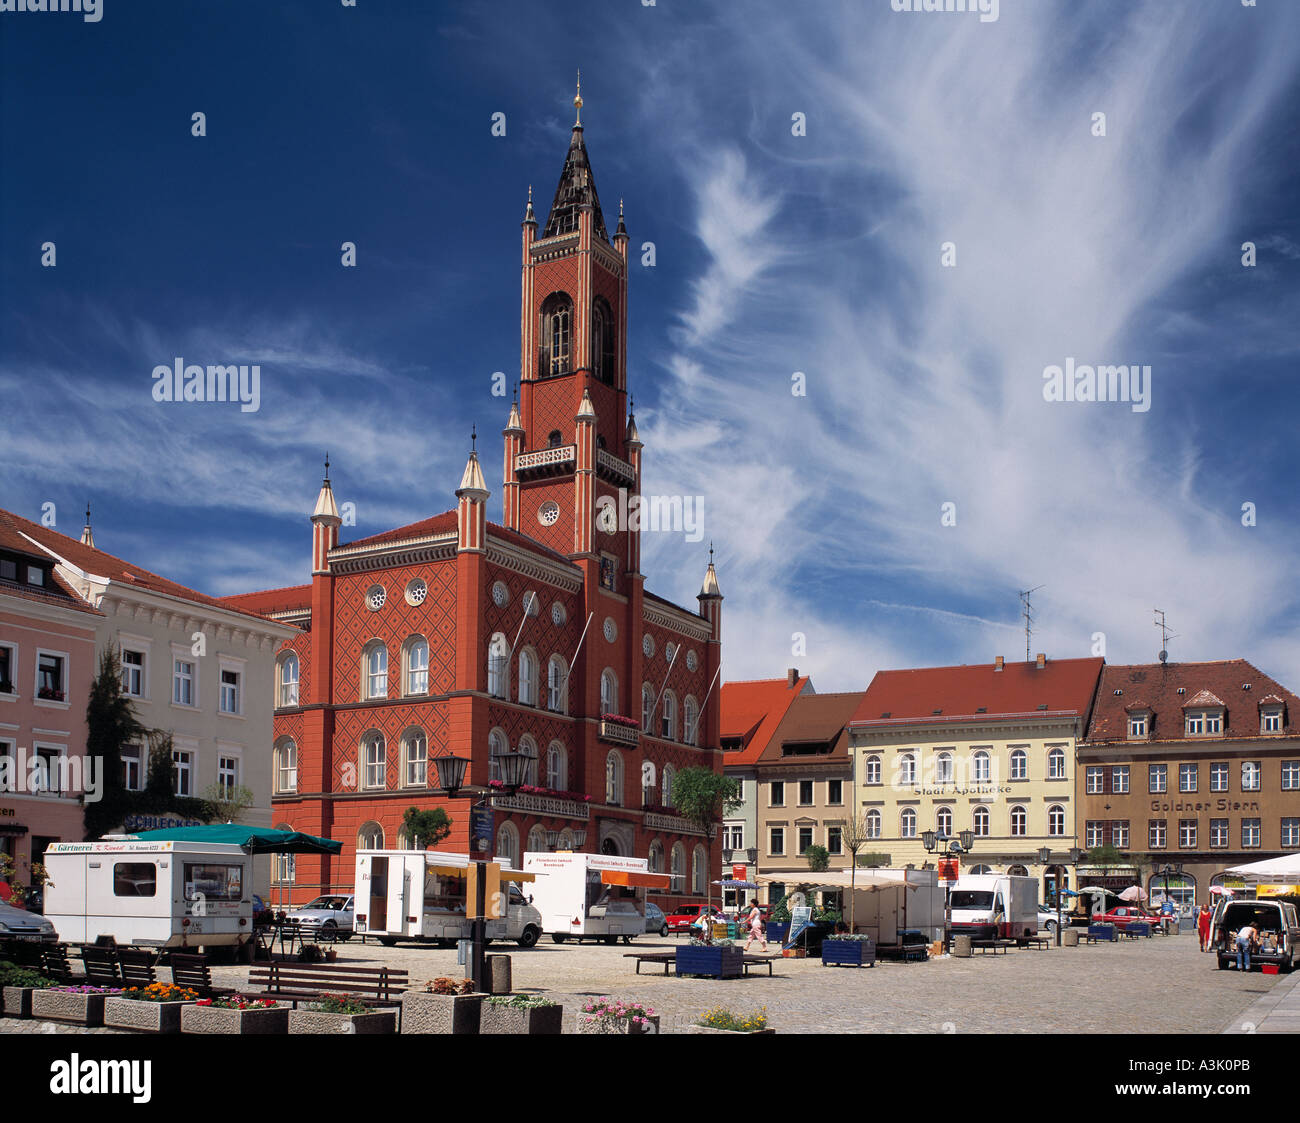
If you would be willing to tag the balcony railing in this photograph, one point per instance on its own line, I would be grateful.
(619, 734)
(542, 805)
(611, 465)
(559, 458)
(674, 823)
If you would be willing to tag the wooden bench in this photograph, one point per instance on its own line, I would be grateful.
(1038, 943)
(1137, 929)
(137, 967)
(759, 961)
(102, 967)
(192, 972)
(994, 946)
(21, 953)
(57, 966)
(296, 982)
(908, 953)
(667, 958)
(1098, 932)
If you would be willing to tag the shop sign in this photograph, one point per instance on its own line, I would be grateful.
(163, 822)
(738, 872)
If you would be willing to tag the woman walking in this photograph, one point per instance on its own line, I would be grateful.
(756, 931)
(1203, 927)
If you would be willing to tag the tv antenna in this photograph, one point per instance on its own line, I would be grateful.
(1029, 616)
(1165, 635)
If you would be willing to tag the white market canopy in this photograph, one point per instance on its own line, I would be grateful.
(1274, 871)
(870, 880)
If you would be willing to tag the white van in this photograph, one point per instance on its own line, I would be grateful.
(996, 906)
(160, 894)
(592, 896)
(420, 895)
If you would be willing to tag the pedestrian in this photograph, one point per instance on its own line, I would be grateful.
(1203, 927)
(1247, 936)
(756, 931)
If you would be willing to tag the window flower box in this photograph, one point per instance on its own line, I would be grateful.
(521, 1014)
(848, 953)
(49, 694)
(423, 1012)
(714, 962)
(82, 1005)
(148, 1017)
(606, 1016)
(206, 1016)
(620, 730)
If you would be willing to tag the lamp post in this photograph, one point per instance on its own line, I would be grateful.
(1166, 871)
(1044, 859)
(451, 779)
(952, 849)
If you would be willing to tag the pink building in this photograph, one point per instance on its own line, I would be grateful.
(47, 663)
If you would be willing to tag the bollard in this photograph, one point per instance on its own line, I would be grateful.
(498, 974)
(1070, 938)
(961, 947)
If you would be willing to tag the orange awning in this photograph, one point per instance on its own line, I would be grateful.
(634, 880)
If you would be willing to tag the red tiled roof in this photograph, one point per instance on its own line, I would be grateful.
(1157, 684)
(90, 560)
(446, 523)
(978, 692)
(292, 598)
(753, 710)
(820, 718)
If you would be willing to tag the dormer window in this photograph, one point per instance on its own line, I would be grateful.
(1270, 719)
(1204, 723)
(1137, 726)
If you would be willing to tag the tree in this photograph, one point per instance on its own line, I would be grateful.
(226, 804)
(702, 796)
(110, 726)
(426, 828)
(854, 836)
(819, 858)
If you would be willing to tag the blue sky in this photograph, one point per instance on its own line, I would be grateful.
(775, 253)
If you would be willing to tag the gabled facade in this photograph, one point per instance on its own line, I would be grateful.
(459, 636)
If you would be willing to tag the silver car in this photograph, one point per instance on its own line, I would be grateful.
(20, 924)
(325, 918)
(655, 920)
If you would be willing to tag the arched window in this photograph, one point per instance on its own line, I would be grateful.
(286, 765)
(655, 857)
(677, 874)
(370, 836)
(499, 666)
(289, 680)
(1020, 765)
(557, 332)
(1056, 820)
(527, 677)
(943, 768)
(873, 823)
(647, 708)
(1019, 822)
(557, 767)
(873, 770)
(608, 692)
(417, 665)
(566, 840)
(375, 670)
(284, 869)
(700, 870)
(907, 823)
(943, 822)
(691, 724)
(557, 686)
(670, 774)
(1056, 764)
(415, 758)
(537, 841)
(528, 747)
(907, 769)
(668, 727)
(602, 341)
(508, 844)
(498, 746)
(981, 767)
(979, 870)
(614, 779)
(981, 822)
(374, 754)
(554, 439)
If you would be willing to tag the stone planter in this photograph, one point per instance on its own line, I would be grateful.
(148, 1017)
(16, 1002)
(736, 1032)
(218, 1019)
(848, 953)
(67, 1006)
(441, 1013)
(521, 1019)
(618, 1026)
(316, 1021)
(1070, 938)
(711, 962)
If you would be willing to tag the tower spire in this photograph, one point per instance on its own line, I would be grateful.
(87, 536)
(577, 102)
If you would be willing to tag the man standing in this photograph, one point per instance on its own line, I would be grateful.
(1246, 938)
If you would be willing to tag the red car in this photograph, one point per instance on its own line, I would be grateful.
(682, 917)
(1125, 915)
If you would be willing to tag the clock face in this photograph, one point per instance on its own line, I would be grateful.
(375, 597)
(500, 594)
(647, 646)
(611, 631)
(416, 591)
(548, 513)
(557, 614)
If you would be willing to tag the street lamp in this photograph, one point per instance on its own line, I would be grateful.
(1168, 869)
(1044, 859)
(952, 848)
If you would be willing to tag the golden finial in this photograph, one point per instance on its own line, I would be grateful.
(577, 102)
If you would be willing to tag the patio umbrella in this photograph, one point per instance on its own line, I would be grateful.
(1221, 891)
(1133, 893)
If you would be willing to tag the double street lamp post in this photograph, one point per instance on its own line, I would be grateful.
(953, 848)
(1044, 858)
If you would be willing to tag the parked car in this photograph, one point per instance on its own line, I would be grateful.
(655, 920)
(327, 918)
(1047, 919)
(1125, 915)
(21, 924)
(1278, 927)
(682, 917)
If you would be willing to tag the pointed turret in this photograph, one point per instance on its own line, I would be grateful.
(577, 187)
(530, 216)
(87, 535)
(325, 523)
(514, 445)
(471, 503)
(710, 598)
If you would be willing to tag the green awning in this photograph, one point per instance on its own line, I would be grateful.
(254, 840)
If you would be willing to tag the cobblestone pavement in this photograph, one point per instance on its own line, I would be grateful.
(1158, 985)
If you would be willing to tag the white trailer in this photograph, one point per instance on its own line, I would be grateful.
(995, 906)
(160, 894)
(887, 902)
(420, 895)
(592, 896)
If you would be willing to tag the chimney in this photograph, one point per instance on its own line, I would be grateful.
(1042, 661)
(997, 663)
(791, 677)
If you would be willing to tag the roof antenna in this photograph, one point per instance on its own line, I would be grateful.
(1165, 635)
(1029, 616)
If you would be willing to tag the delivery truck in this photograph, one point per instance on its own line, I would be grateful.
(159, 894)
(592, 896)
(995, 906)
(420, 895)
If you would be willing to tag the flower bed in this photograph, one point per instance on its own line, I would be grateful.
(155, 1008)
(521, 1013)
(83, 1005)
(16, 987)
(232, 1014)
(721, 1020)
(444, 1006)
(341, 1014)
(616, 1016)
